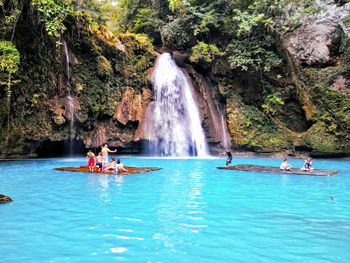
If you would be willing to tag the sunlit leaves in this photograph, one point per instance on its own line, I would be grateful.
(9, 57)
(53, 13)
(204, 52)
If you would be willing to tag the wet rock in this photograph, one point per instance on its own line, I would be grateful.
(5, 199)
(180, 58)
(132, 106)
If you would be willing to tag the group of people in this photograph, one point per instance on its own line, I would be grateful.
(101, 161)
(285, 166)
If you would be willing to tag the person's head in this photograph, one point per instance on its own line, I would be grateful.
(106, 145)
(99, 153)
(89, 151)
(118, 161)
(227, 150)
(285, 160)
(112, 159)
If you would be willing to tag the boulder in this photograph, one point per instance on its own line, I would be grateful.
(314, 44)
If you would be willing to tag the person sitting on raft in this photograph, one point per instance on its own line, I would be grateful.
(120, 167)
(307, 165)
(91, 160)
(112, 165)
(99, 161)
(285, 166)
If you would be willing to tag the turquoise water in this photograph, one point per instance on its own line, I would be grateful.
(187, 212)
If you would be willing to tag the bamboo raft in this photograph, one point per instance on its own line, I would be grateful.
(131, 170)
(277, 170)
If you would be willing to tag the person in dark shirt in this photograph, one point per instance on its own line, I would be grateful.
(229, 157)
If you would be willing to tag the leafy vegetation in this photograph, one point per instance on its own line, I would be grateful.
(234, 43)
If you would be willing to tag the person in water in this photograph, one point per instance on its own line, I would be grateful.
(91, 160)
(229, 157)
(120, 167)
(105, 150)
(285, 166)
(307, 165)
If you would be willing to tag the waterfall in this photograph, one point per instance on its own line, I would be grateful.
(223, 128)
(66, 52)
(70, 99)
(173, 125)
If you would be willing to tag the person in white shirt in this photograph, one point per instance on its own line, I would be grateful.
(285, 166)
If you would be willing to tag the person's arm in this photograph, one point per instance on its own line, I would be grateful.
(111, 151)
(124, 168)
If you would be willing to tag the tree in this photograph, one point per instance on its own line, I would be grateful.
(9, 61)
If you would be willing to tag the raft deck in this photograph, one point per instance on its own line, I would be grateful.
(271, 169)
(131, 170)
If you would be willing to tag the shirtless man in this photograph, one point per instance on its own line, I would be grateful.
(120, 167)
(91, 160)
(105, 150)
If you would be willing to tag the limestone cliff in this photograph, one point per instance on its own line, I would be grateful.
(93, 89)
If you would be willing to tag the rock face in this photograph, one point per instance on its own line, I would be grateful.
(205, 93)
(304, 104)
(316, 42)
(314, 45)
(5, 199)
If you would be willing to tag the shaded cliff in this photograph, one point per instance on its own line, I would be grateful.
(103, 76)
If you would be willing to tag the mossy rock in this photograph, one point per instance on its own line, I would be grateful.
(251, 129)
(319, 139)
(104, 67)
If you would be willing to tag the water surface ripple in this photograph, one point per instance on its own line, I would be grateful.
(187, 211)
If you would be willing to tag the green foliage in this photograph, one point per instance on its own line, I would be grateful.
(272, 102)
(9, 57)
(53, 13)
(104, 67)
(147, 22)
(205, 53)
(9, 17)
(252, 54)
(247, 21)
(333, 109)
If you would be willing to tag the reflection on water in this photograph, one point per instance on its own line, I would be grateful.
(103, 181)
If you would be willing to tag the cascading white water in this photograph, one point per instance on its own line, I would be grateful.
(66, 52)
(223, 129)
(70, 100)
(173, 125)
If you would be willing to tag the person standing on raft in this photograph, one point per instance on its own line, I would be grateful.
(105, 150)
(91, 160)
(229, 157)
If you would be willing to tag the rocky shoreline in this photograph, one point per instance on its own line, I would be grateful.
(235, 153)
